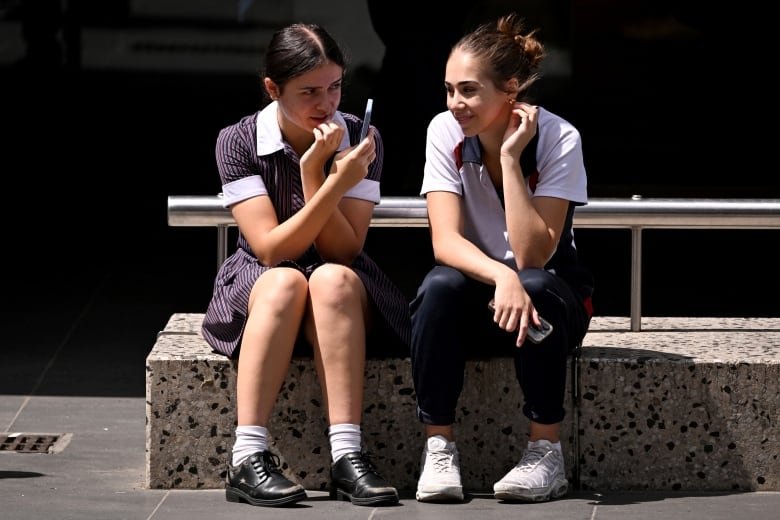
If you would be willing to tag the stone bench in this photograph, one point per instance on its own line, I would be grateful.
(687, 403)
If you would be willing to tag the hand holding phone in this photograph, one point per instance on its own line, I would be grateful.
(535, 334)
(366, 119)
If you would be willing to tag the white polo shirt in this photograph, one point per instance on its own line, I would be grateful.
(453, 163)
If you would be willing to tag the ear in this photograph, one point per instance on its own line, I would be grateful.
(512, 87)
(271, 88)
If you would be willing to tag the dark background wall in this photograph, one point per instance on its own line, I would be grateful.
(109, 107)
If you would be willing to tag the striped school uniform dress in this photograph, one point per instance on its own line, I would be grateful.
(253, 160)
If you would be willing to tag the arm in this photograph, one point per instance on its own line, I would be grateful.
(442, 187)
(273, 242)
(450, 247)
(344, 231)
(534, 224)
(257, 219)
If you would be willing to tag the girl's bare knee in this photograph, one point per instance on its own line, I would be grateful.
(279, 287)
(334, 284)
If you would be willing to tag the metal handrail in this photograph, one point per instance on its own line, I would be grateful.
(636, 214)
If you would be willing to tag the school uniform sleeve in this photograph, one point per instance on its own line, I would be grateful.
(559, 160)
(442, 172)
(234, 154)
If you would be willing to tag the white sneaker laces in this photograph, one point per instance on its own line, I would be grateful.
(539, 476)
(531, 459)
(442, 460)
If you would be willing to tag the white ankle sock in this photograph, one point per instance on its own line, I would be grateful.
(249, 440)
(344, 438)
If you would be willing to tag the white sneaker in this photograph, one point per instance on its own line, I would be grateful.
(439, 472)
(539, 476)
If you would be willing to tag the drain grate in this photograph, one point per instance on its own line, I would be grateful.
(33, 442)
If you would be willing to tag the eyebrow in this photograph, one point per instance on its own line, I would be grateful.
(317, 87)
(464, 82)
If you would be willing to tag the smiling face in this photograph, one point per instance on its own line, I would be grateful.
(472, 97)
(307, 100)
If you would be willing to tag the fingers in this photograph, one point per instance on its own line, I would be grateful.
(515, 319)
(528, 113)
(367, 148)
(509, 319)
(369, 139)
(521, 330)
(521, 128)
(528, 319)
(329, 133)
(356, 159)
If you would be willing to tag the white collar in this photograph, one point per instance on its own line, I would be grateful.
(269, 135)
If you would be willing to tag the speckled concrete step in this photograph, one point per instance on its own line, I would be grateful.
(687, 403)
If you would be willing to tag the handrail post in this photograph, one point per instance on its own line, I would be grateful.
(636, 278)
(222, 244)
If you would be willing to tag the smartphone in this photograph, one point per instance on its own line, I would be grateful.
(535, 334)
(366, 119)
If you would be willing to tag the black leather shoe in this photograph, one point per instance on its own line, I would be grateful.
(258, 481)
(353, 477)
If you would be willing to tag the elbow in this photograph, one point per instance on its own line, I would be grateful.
(340, 256)
(348, 257)
(527, 264)
(531, 260)
(443, 247)
(439, 254)
(268, 260)
(268, 256)
(536, 256)
(340, 259)
(443, 257)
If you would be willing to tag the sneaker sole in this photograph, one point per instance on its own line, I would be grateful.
(446, 494)
(526, 495)
(236, 495)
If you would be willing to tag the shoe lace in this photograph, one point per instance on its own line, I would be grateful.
(441, 460)
(531, 458)
(362, 463)
(269, 464)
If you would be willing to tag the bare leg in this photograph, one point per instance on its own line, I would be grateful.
(336, 324)
(276, 307)
(548, 432)
(336, 327)
(445, 431)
